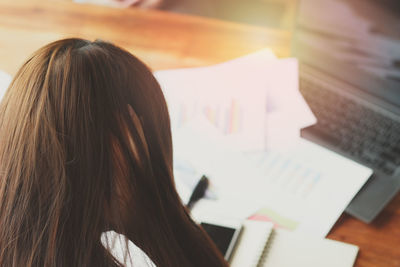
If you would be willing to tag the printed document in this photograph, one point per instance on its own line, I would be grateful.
(248, 99)
(304, 189)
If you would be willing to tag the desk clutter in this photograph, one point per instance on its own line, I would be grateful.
(239, 124)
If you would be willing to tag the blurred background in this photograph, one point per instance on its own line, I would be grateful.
(361, 32)
(365, 33)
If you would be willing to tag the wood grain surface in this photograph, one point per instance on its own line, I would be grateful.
(165, 40)
(161, 39)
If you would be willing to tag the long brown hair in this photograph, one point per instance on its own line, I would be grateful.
(85, 147)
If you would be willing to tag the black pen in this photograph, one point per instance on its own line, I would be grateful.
(198, 192)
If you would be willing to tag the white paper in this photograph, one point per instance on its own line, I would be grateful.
(287, 111)
(232, 96)
(224, 209)
(250, 100)
(307, 185)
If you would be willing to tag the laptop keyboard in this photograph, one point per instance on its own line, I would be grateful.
(353, 128)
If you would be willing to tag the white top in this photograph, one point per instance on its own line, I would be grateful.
(125, 251)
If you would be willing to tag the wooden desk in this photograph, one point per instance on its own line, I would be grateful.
(162, 40)
(165, 40)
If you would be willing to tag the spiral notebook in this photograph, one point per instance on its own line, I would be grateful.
(259, 245)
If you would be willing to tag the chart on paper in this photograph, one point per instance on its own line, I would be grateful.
(288, 174)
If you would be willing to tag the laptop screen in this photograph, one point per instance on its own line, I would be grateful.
(357, 41)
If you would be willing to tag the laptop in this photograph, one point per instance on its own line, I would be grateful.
(353, 95)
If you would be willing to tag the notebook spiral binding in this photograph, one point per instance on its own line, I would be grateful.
(267, 247)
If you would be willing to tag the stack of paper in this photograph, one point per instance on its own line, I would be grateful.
(304, 189)
(253, 101)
